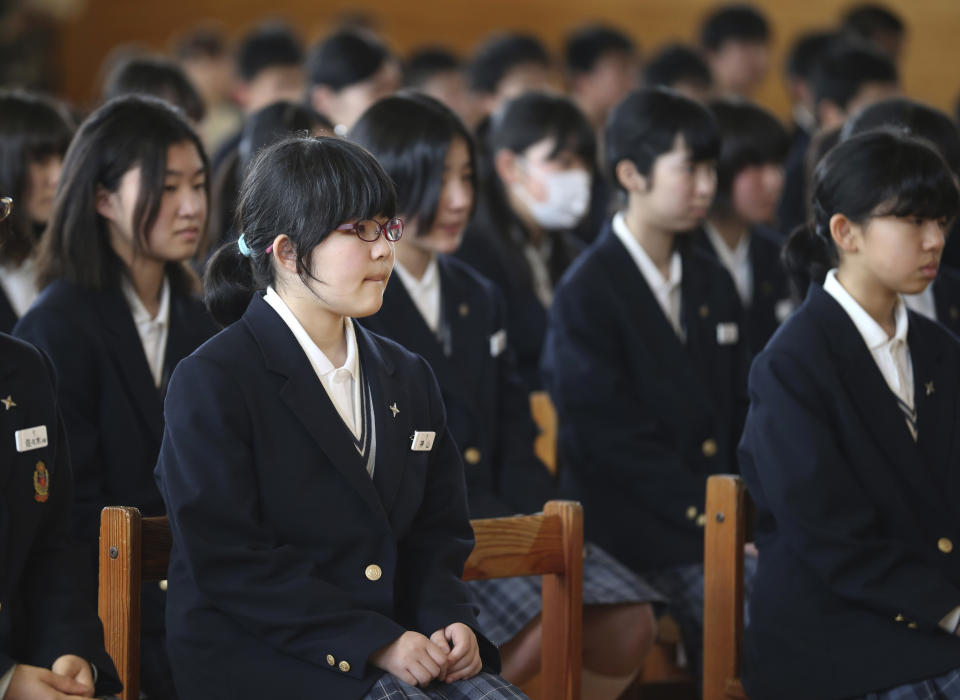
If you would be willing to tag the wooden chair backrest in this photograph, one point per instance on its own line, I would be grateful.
(725, 535)
(545, 416)
(136, 550)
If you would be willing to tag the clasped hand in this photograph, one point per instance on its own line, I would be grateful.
(449, 654)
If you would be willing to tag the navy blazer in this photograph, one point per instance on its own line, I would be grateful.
(488, 248)
(488, 407)
(771, 291)
(8, 317)
(43, 613)
(644, 418)
(855, 521)
(792, 210)
(946, 297)
(290, 565)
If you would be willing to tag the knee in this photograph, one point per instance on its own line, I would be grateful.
(623, 637)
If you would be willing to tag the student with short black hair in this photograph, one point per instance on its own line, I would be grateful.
(602, 67)
(736, 41)
(316, 498)
(877, 24)
(739, 227)
(849, 449)
(117, 311)
(156, 77)
(438, 72)
(269, 66)
(346, 73)
(34, 135)
(645, 356)
(849, 77)
(682, 68)
(505, 66)
(535, 189)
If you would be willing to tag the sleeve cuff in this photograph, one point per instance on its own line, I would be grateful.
(947, 624)
(5, 681)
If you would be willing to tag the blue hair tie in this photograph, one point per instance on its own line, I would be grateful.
(244, 248)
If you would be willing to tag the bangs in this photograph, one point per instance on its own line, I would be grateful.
(701, 135)
(363, 190)
(574, 135)
(535, 116)
(929, 192)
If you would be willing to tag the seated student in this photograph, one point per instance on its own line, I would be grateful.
(941, 300)
(117, 312)
(49, 623)
(602, 67)
(537, 188)
(315, 495)
(682, 68)
(505, 66)
(849, 77)
(439, 73)
(877, 24)
(346, 73)
(645, 356)
(34, 135)
(753, 145)
(441, 309)
(849, 449)
(156, 77)
(736, 42)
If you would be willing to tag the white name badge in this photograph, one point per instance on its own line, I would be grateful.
(422, 441)
(727, 333)
(498, 342)
(31, 438)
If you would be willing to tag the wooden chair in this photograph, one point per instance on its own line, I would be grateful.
(136, 550)
(726, 532)
(545, 416)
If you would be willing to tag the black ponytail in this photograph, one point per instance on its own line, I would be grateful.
(807, 256)
(228, 284)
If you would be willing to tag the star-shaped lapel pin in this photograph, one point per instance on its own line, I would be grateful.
(393, 409)
(8, 402)
(929, 387)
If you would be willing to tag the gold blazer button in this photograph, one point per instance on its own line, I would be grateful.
(945, 545)
(373, 572)
(330, 660)
(344, 666)
(709, 447)
(472, 455)
(691, 512)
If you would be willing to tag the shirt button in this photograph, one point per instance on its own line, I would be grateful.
(373, 572)
(330, 660)
(472, 455)
(945, 545)
(709, 447)
(344, 666)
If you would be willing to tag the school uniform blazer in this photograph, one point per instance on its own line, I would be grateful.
(792, 210)
(856, 522)
(43, 614)
(8, 317)
(488, 407)
(290, 565)
(946, 297)
(770, 287)
(644, 418)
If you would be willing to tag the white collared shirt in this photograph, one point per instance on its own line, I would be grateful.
(20, 285)
(425, 291)
(922, 303)
(666, 291)
(153, 330)
(737, 262)
(342, 384)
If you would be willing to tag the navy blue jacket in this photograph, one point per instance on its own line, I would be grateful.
(277, 525)
(855, 521)
(8, 317)
(793, 202)
(43, 611)
(946, 296)
(488, 408)
(644, 418)
(771, 289)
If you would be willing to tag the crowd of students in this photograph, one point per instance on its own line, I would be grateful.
(298, 306)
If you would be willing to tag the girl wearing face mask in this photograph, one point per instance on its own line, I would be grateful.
(737, 232)
(455, 319)
(540, 150)
(117, 312)
(34, 135)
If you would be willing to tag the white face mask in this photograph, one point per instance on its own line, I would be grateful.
(568, 198)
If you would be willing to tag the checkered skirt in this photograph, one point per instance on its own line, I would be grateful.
(507, 605)
(483, 686)
(945, 687)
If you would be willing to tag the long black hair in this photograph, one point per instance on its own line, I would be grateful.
(410, 135)
(125, 133)
(32, 128)
(302, 187)
(878, 173)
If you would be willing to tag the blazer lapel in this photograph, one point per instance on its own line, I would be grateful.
(186, 334)
(467, 335)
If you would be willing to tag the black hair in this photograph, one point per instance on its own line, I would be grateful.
(410, 135)
(206, 41)
(125, 133)
(32, 128)
(677, 63)
(870, 19)
(302, 187)
(806, 51)
(914, 118)
(739, 22)
(345, 58)
(877, 173)
(268, 46)
(499, 55)
(423, 64)
(157, 77)
(274, 123)
(846, 68)
(749, 135)
(534, 116)
(587, 45)
(646, 123)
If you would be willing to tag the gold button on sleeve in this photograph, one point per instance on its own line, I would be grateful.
(472, 455)
(373, 572)
(344, 666)
(898, 618)
(912, 625)
(163, 585)
(702, 520)
(330, 660)
(945, 545)
(691, 512)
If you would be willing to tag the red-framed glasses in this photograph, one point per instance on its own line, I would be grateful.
(370, 230)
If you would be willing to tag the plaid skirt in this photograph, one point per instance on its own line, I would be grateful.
(507, 605)
(945, 687)
(483, 686)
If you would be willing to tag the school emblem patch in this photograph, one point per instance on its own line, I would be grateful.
(41, 483)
